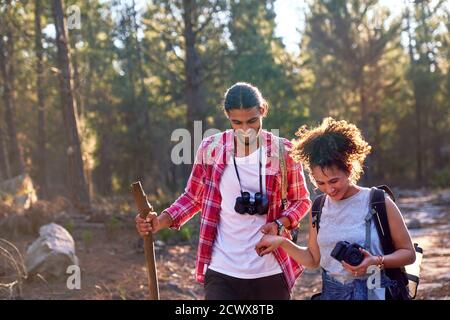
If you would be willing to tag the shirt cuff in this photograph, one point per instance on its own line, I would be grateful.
(174, 213)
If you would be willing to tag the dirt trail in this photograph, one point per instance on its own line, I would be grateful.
(113, 265)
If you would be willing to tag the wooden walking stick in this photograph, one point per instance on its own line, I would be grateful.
(144, 207)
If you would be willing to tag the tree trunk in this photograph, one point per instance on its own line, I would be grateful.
(6, 70)
(76, 179)
(417, 106)
(364, 126)
(41, 153)
(76, 80)
(138, 51)
(143, 114)
(5, 172)
(363, 103)
(103, 173)
(90, 37)
(378, 155)
(195, 102)
(194, 99)
(430, 139)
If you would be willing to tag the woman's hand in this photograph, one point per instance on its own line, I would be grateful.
(361, 269)
(150, 224)
(267, 244)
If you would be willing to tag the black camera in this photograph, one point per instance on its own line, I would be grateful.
(349, 252)
(244, 204)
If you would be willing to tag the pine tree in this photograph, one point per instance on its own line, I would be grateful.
(76, 179)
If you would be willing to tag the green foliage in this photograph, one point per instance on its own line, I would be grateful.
(132, 84)
(165, 234)
(113, 226)
(88, 238)
(441, 178)
(69, 226)
(186, 233)
(361, 72)
(259, 57)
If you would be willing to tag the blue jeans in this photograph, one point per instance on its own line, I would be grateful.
(357, 289)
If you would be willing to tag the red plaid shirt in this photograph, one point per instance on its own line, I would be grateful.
(202, 193)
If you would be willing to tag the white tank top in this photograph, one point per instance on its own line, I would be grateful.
(344, 220)
(234, 248)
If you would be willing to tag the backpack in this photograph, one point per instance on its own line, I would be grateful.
(378, 205)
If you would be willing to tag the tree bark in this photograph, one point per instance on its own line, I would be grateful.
(41, 153)
(5, 172)
(196, 105)
(192, 66)
(143, 114)
(364, 126)
(6, 70)
(76, 178)
(103, 173)
(76, 80)
(417, 106)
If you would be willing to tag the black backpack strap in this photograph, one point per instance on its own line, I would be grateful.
(316, 210)
(388, 190)
(378, 208)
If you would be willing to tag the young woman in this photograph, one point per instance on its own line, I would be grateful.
(235, 183)
(333, 153)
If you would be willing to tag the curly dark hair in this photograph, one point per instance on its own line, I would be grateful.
(332, 143)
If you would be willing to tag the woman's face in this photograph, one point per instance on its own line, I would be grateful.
(246, 123)
(332, 181)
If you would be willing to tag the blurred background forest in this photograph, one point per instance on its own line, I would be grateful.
(91, 91)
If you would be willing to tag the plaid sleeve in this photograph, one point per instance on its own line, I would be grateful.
(190, 202)
(297, 193)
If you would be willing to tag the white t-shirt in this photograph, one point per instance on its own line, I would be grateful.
(234, 248)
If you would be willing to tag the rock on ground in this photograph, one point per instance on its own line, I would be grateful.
(52, 252)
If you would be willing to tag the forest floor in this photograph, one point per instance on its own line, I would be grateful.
(113, 267)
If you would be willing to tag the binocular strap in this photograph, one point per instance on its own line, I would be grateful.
(260, 168)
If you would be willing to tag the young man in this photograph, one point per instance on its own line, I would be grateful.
(236, 183)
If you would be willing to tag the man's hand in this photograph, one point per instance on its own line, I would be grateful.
(150, 224)
(270, 228)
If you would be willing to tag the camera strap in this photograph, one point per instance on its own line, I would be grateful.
(260, 168)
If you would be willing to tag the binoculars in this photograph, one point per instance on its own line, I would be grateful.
(244, 204)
